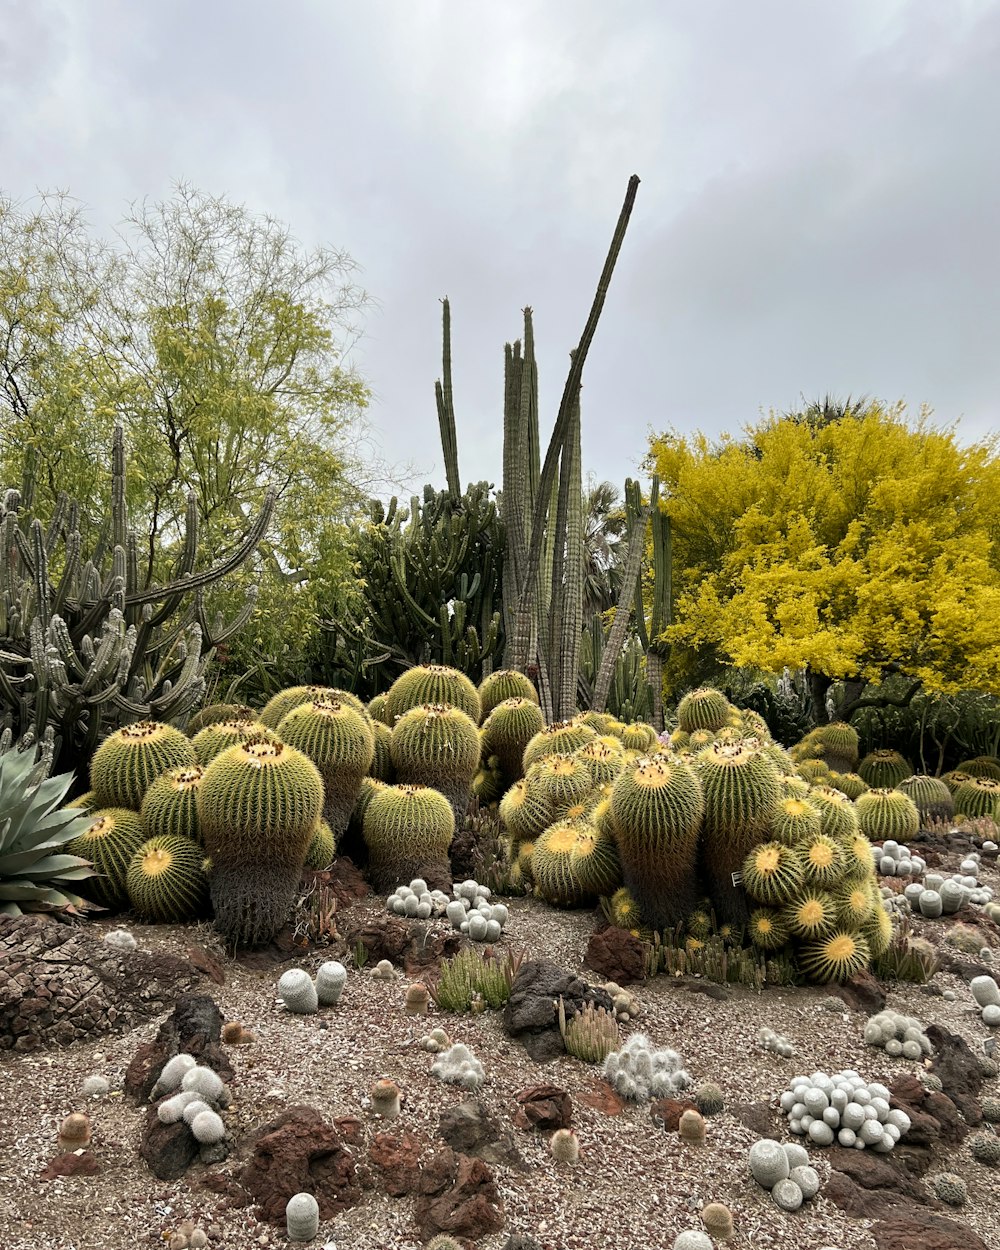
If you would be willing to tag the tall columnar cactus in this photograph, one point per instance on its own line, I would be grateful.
(258, 807)
(100, 645)
(658, 584)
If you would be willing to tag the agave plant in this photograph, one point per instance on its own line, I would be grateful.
(34, 826)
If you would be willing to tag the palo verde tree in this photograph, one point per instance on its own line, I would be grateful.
(217, 341)
(856, 547)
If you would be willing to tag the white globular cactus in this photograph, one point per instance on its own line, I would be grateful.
(785, 1171)
(472, 913)
(171, 1110)
(775, 1042)
(302, 1217)
(416, 902)
(95, 1087)
(898, 1035)
(206, 1083)
(893, 859)
(459, 1066)
(330, 980)
(121, 940)
(173, 1073)
(208, 1128)
(297, 992)
(638, 1072)
(843, 1108)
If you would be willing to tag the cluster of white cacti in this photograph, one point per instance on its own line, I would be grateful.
(459, 1066)
(986, 992)
(120, 939)
(898, 1035)
(416, 901)
(302, 994)
(785, 1171)
(774, 1041)
(384, 970)
(472, 913)
(199, 1092)
(893, 859)
(639, 1072)
(435, 1041)
(843, 1108)
(938, 895)
(624, 1003)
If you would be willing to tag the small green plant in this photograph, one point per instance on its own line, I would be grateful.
(472, 975)
(591, 1034)
(715, 961)
(908, 958)
(361, 954)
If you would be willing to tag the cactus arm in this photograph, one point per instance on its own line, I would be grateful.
(613, 646)
(525, 607)
(69, 572)
(43, 591)
(446, 408)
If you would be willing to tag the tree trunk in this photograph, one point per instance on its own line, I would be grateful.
(819, 684)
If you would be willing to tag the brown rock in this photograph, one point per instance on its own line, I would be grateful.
(168, 1149)
(396, 1159)
(667, 1112)
(919, 1229)
(383, 937)
(426, 950)
(603, 1098)
(543, 1107)
(617, 955)
(75, 1163)
(861, 993)
(207, 963)
(458, 1196)
(350, 1128)
(873, 1171)
(957, 1068)
(760, 1118)
(300, 1152)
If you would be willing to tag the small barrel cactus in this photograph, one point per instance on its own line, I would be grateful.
(768, 1163)
(985, 991)
(95, 1087)
(985, 1148)
(787, 1195)
(718, 1221)
(417, 998)
(302, 1217)
(74, 1132)
(693, 1239)
(297, 991)
(691, 1128)
(949, 1188)
(807, 1179)
(330, 980)
(385, 1099)
(564, 1146)
(709, 1098)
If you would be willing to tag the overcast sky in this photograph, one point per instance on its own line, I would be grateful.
(819, 208)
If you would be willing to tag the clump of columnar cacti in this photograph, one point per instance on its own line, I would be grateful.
(639, 1072)
(709, 1099)
(459, 1066)
(772, 1041)
(385, 1099)
(302, 1217)
(74, 1132)
(897, 1035)
(565, 1146)
(95, 1087)
(416, 901)
(297, 992)
(691, 1128)
(330, 980)
(120, 939)
(591, 1034)
(949, 1188)
(843, 1108)
(985, 1148)
(718, 1220)
(893, 859)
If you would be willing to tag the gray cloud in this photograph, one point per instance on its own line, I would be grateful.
(818, 208)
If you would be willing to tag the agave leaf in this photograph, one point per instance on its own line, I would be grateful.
(10, 909)
(13, 890)
(67, 827)
(44, 866)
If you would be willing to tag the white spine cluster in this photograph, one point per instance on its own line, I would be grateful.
(459, 1066)
(843, 1108)
(639, 1072)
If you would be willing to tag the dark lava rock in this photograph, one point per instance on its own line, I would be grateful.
(861, 993)
(760, 1118)
(168, 1149)
(920, 1229)
(530, 1013)
(957, 1068)
(667, 1112)
(194, 1027)
(471, 1130)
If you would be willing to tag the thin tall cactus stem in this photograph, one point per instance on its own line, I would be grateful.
(444, 396)
(613, 646)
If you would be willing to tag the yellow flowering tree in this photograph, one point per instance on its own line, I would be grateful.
(856, 548)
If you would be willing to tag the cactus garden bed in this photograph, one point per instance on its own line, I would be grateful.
(634, 1184)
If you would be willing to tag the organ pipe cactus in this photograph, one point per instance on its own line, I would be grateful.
(99, 645)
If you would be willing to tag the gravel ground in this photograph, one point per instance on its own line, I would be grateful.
(634, 1185)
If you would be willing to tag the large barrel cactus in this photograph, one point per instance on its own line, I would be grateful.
(166, 880)
(884, 769)
(507, 730)
(109, 842)
(933, 798)
(258, 807)
(705, 708)
(504, 684)
(170, 805)
(221, 735)
(339, 740)
(408, 830)
(437, 745)
(657, 806)
(128, 761)
(433, 683)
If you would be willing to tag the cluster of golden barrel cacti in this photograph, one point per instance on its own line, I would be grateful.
(714, 819)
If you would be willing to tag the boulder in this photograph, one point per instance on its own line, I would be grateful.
(543, 1108)
(458, 1195)
(530, 1014)
(194, 1027)
(617, 955)
(471, 1130)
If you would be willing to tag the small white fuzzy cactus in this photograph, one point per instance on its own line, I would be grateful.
(302, 1217)
(173, 1073)
(775, 1042)
(843, 1108)
(95, 1087)
(459, 1066)
(208, 1128)
(330, 980)
(171, 1110)
(121, 940)
(985, 991)
(205, 1082)
(639, 1072)
(297, 991)
(384, 970)
(898, 1035)
(193, 1109)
